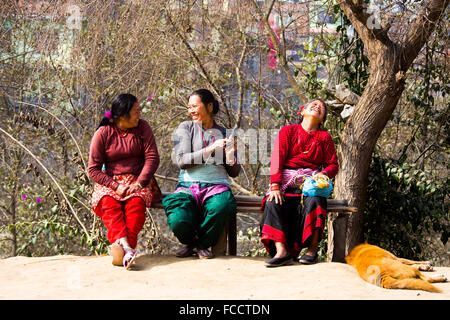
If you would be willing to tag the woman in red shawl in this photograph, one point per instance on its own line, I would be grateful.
(288, 225)
(122, 161)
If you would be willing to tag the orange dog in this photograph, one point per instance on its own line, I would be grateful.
(380, 267)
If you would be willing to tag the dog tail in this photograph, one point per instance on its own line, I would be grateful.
(389, 282)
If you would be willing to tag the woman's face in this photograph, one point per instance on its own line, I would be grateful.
(315, 109)
(133, 116)
(197, 110)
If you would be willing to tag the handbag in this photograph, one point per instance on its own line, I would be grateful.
(318, 187)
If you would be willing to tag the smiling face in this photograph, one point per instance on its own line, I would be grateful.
(197, 110)
(315, 109)
(132, 120)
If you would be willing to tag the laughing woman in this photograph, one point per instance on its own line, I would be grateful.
(300, 150)
(125, 145)
(200, 207)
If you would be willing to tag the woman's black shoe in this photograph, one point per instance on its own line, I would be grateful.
(278, 262)
(307, 259)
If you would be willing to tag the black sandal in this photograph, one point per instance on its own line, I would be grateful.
(278, 262)
(307, 259)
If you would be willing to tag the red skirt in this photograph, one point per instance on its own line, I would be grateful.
(292, 223)
(149, 194)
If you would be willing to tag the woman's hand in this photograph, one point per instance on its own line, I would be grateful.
(275, 194)
(230, 149)
(122, 190)
(218, 144)
(213, 147)
(133, 188)
(320, 175)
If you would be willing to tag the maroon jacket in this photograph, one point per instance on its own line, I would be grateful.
(136, 153)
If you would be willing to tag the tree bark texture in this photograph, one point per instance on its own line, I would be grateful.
(389, 62)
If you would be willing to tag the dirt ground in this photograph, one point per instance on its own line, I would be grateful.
(171, 278)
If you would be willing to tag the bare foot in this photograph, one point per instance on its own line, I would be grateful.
(129, 257)
(117, 253)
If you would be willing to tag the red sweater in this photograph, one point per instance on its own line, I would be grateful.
(136, 153)
(295, 148)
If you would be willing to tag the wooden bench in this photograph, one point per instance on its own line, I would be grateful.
(252, 204)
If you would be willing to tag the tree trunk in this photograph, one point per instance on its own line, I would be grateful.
(389, 61)
(361, 132)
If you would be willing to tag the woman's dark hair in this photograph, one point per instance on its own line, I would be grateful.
(120, 107)
(324, 117)
(207, 97)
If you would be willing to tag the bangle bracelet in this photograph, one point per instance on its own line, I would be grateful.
(114, 186)
(274, 188)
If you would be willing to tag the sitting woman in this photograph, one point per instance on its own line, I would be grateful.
(202, 204)
(287, 224)
(124, 144)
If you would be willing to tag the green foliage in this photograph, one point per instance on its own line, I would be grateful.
(50, 236)
(353, 62)
(427, 97)
(42, 226)
(250, 244)
(316, 59)
(405, 207)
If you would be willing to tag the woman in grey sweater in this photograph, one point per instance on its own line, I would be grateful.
(200, 207)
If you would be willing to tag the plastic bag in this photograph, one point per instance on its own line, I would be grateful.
(316, 188)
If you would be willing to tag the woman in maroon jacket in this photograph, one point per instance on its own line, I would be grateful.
(300, 150)
(122, 161)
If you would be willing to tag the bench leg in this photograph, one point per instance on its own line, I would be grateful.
(337, 234)
(232, 237)
(220, 249)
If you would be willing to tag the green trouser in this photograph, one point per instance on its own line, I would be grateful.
(187, 220)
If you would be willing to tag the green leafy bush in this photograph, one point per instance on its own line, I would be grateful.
(406, 210)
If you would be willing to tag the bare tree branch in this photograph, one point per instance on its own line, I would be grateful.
(284, 63)
(358, 16)
(205, 73)
(420, 29)
(240, 84)
(51, 177)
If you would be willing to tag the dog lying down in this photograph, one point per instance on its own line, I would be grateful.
(380, 267)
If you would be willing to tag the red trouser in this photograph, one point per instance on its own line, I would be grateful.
(122, 218)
